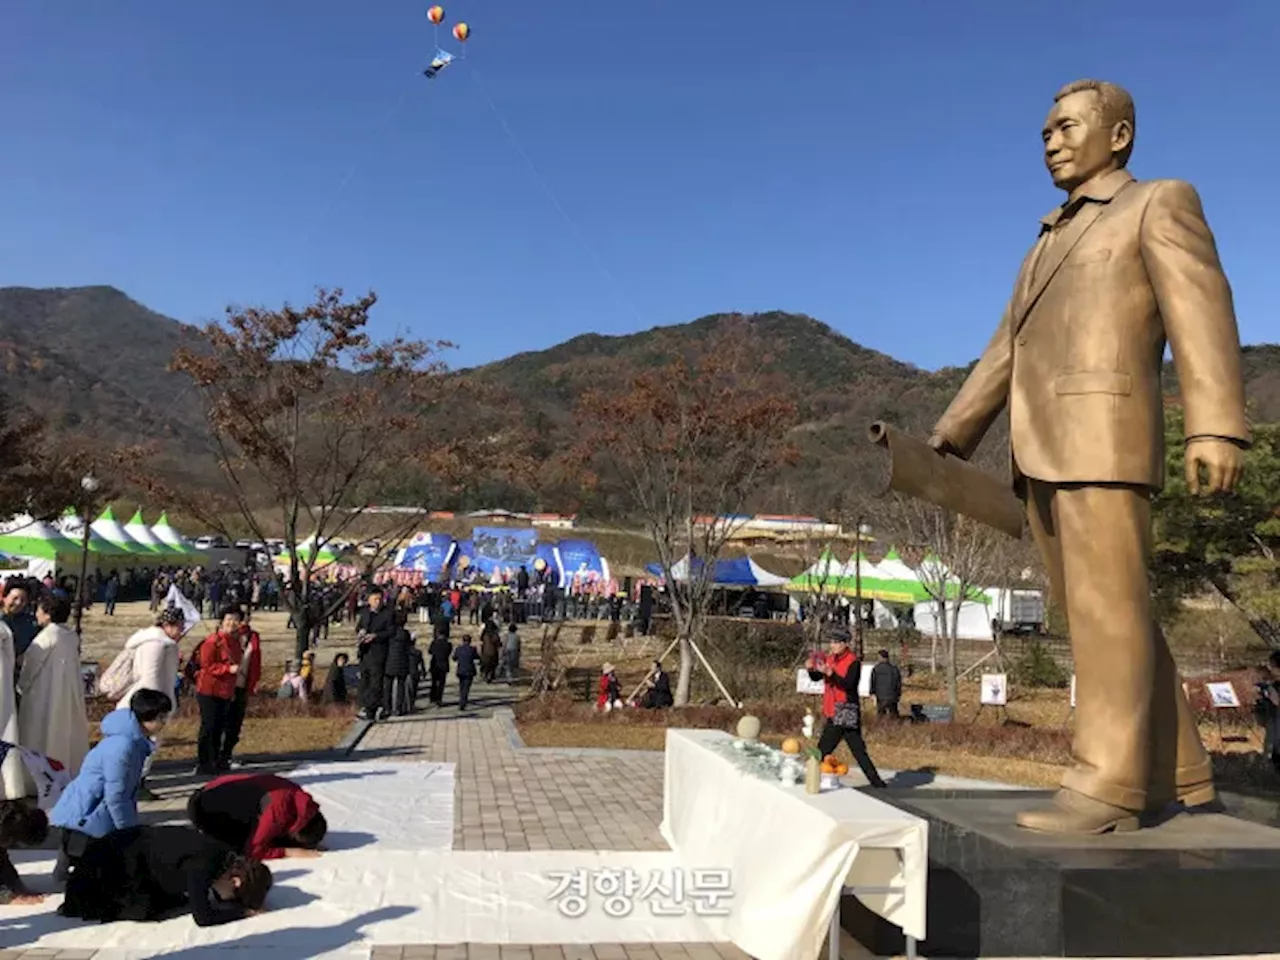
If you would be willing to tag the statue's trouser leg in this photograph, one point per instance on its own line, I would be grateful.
(1134, 732)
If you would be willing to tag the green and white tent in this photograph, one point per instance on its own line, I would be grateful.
(71, 526)
(139, 531)
(306, 552)
(108, 528)
(36, 540)
(165, 534)
(826, 577)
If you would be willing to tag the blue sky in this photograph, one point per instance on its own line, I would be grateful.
(607, 167)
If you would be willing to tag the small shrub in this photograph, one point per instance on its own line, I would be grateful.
(1037, 668)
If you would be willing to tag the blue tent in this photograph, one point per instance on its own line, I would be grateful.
(731, 572)
(429, 554)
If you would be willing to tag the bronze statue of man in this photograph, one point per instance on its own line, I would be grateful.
(1119, 269)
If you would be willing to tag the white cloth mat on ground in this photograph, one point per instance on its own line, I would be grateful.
(389, 877)
(398, 806)
(349, 899)
(789, 853)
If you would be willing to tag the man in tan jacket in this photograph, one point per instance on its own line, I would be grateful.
(1119, 269)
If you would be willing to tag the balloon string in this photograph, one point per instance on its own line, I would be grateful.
(550, 194)
(361, 159)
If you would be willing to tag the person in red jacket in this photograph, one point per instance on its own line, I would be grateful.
(264, 816)
(247, 678)
(839, 672)
(220, 657)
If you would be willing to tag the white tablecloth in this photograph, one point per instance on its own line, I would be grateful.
(790, 853)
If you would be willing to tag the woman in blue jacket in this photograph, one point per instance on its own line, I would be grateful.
(103, 798)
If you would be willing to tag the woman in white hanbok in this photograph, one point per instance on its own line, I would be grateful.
(51, 713)
(12, 775)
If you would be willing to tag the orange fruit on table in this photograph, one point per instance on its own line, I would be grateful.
(842, 769)
(791, 745)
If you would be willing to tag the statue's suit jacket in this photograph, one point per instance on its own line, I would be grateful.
(1078, 354)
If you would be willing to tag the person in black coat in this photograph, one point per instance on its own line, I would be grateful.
(658, 695)
(375, 628)
(335, 681)
(417, 671)
(439, 654)
(466, 656)
(886, 686)
(399, 667)
(154, 873)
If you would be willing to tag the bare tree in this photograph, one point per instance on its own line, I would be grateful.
(310, 420)
(829, 580)
(959, 556)
(688, 440)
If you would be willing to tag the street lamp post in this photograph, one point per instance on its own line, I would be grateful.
(89, 484)
(858, 589)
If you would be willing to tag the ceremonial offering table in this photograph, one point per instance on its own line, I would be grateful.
(791, 855)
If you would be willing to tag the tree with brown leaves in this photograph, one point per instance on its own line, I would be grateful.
(689, 439)
(311, 419)
(42, 473)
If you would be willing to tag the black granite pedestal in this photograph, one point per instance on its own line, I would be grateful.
(1195, 884)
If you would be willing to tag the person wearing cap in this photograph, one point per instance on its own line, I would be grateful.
(154, 666)
(839, 673)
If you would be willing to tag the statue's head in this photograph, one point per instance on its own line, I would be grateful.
(1088, 132)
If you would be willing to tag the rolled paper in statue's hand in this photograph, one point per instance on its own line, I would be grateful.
(918, 470)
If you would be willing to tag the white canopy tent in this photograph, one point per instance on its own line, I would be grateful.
(109, 529)
(974, 613)
(139, 531)
(974, 624)
(166, 534)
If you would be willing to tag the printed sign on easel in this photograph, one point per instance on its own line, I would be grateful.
(806, 685)
(1222, 695)
(995, 689)
(864, 683)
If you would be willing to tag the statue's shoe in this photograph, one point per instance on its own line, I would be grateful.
(1074, 813)
(1201, 797)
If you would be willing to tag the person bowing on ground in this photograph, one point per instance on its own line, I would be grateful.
(103, 798)
(264, 816)
(153, 873)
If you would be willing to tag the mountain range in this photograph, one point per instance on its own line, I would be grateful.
(94, 361)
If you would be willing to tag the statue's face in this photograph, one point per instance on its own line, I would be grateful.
(1077, 144)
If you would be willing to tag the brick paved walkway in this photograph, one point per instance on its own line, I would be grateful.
(511, 799)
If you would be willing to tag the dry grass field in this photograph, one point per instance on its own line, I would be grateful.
(272, 727)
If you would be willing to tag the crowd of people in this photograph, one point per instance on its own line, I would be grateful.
(393, 667)
(110, 865)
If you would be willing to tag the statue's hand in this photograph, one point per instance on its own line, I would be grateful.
(941, 444)
(1223, 463)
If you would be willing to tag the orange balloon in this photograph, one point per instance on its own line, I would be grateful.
(460, 32)
(435, 14)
